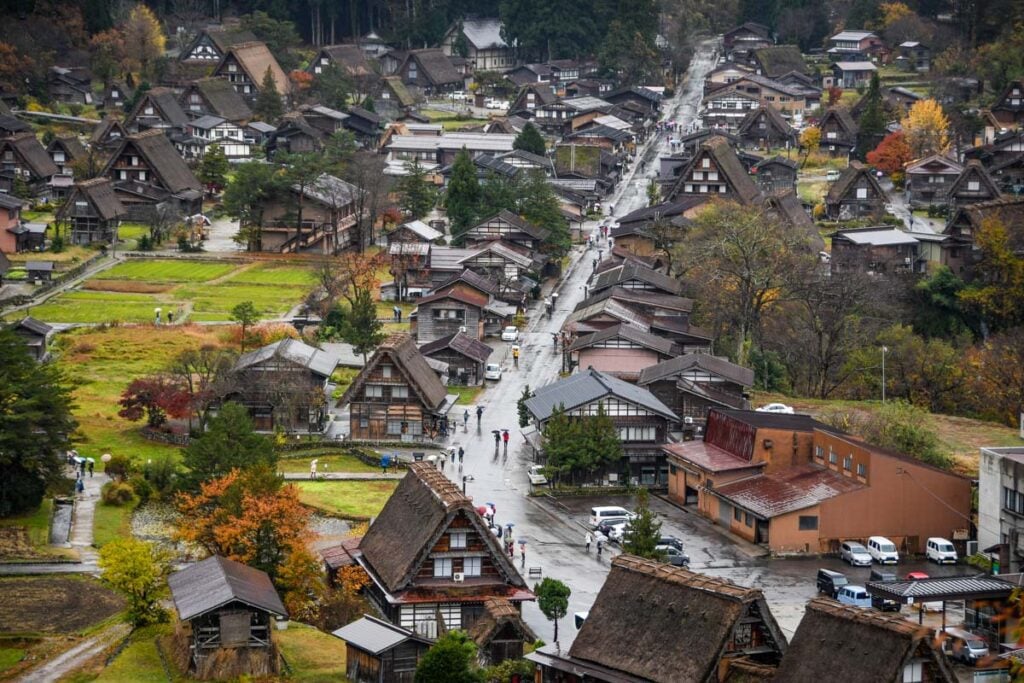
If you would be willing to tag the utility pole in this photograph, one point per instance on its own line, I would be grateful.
(885, 350)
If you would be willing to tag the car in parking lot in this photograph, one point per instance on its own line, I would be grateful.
(832, 175)
(605, 513)
(855, 553)
(674, 556)
(492, 371)
(605, 527)
(881, 603)
(510, 333)
(854, 595)
(617, 531)
(963, 645)
(536, 475)
(829, 582)
(776, 408)
(940, 551)
(883, 551)
(671, 541)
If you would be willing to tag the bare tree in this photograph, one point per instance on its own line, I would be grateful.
(365, 170)
(206, 374)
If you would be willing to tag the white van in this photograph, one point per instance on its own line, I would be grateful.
(940, 551)
(882, 550)
(601, 513)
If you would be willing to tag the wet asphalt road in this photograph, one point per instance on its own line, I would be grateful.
(554, 530)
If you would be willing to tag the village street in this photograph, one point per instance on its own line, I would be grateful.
(554, 530)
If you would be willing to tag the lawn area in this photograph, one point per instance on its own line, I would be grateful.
(101, 363)
(215, 301)
(26, 537)
(274, 274)
(359, 500)
(332, 462)
(129, 234)
(36, 523)
(9, 657)
(139, 662)
(811, 192)
(343, 378)
(69, 257)
(314, 656)
(467, 395)
(111, 522)
(962, 437)
(168, 270)
(88, 306)
(386, 309)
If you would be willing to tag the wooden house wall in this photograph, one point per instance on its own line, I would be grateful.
(381, 417)
(456, 361)
(429, 328)
(475, 546)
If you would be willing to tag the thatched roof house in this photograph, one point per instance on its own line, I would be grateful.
(655, 622)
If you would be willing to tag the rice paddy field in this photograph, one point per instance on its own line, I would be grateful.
(194, 290)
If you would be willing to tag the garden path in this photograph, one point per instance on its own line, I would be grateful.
(72, 660)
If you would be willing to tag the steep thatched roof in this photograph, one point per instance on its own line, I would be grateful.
(779, 60)
(435, 66)
(851, 174)
(855, 645)
(694, 614)
(349, 58)
(973, 170)
(161, 158)
(417, 513)
(221, 98)
(400, 351)
(32, 153)
(164, 101)
(771, 116)
(100, 193)
(255, 58)
(498, 612)
(461, 343)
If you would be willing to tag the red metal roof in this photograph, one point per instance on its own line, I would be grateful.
(771, 495)
(708, 457)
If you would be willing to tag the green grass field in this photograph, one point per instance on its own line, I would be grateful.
(274, 274)
(98, 307)
(214, 302)
(168, 270)
(9, 657)
(315, 656)
(139, 662)
(111, 522)
(35, 523)
(332, 462)
(359, 500)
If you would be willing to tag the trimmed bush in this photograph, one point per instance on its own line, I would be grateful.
(116, 493)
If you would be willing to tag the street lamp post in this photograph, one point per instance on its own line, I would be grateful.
(465, 478)
(885, 349)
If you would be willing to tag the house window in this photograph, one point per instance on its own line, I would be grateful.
(142, 175)
(705, 163)
(698, 175)
(458, 540)
(862, 470)
(449, 314)
(442, 566)
(712, 175)
(385, 371)
(638, 433)
(364, 422)
(400, 392)
(848, 463)
(471, 566)
(374, 391)
(831, 135)
(973, 186)
(737, 515)
(832, 458)
(862, 193)
(808, 522)
(232, 68)
(914, 672)
(819, 452)
(148, 111)
(748, 519)
(122, 175)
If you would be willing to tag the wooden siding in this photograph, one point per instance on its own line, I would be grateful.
(430, 327)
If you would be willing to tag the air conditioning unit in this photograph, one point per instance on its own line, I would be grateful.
(462, 329)
(459, 577)
(907, 260)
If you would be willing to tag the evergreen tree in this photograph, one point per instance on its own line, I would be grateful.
(213, 170)
(540, 206)
(369, 105)
(230, 442)
(416, 194)
(603, 448)
(553, 600)
(872, 118)
(360, 327)
(35, 425)
(644, 531)
(452, 659)
(561, 437)
(463, 197)
(268, 106)
(524, 412)
(530, 140)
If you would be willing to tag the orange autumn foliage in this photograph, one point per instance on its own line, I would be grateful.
(245, 516)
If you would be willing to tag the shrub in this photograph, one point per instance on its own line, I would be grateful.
(142, 488)
(161, 474)
(906, 428)
(818, 212)
(119, 467)
(116, 493)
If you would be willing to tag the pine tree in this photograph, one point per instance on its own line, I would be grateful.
(644, 531)
(268, 106)
(603, 447)
(872, 118)
(463, 197)
(360, 327)
(530, 140)
(524, 412)
(416, 194)
(213, 170)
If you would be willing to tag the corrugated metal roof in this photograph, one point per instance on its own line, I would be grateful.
(771, 495)
(878, 238)
(483, 34)
(320, 362)
(217, 581)
(373, 635)
(589, 386)
(943, 587)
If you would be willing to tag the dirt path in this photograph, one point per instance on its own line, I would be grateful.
(76, 657)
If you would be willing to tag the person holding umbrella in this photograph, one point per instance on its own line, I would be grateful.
(497, 438)
(504, 437)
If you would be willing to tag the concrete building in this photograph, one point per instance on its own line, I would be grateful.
(1001, 506)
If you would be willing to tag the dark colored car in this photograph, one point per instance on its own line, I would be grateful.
(883, 604)
(829, 582)
(671, 541)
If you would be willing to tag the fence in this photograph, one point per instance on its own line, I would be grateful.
(165, 437)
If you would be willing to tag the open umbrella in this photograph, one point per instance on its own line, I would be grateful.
(78, 459)
(92, 460)
(481, 510)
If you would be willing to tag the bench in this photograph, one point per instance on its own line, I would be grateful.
(535, 571)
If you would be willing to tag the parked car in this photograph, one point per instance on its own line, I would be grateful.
(883, 551)
(671, 541)
(879, 603)
(832, 175)
(940, 551)
(854, 553)
(776, 408)
(605, 527)
(854, 595)
(603, 513)
(492, 371)
(829, 582)
(510, 333)
(674, 556)
(617, 532)
(962, 645)
(536, 475)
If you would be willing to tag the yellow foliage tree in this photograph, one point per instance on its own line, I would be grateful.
(926, 128)
(810, 139)
(144, 40)
(893, 12)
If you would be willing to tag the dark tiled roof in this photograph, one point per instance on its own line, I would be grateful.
(32, 152)
(473, 279)
(629, 333)
(714, 365)
(850, 174)
(376, 636)
(34, 326)
(590, 385)
(639, 298)
(650, 214)
(793, 421)
(694, 614)
(217, 581)
(635, 271)
(461, 343)
(855, 645)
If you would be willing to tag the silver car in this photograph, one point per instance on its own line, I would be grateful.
(855, 554)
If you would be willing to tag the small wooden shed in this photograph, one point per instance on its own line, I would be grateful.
(227, 606)
(379, 652)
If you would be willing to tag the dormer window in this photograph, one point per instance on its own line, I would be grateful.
(457, 540)
(442, 567)
(705, 163)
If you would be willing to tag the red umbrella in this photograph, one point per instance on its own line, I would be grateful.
(481, 510)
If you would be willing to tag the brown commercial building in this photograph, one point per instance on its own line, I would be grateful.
(796, 486)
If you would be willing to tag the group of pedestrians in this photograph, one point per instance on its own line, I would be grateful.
(589, 539)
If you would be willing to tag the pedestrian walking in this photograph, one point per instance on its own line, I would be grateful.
(497, 438)
(462, 453)
(515, 356)
(465, 420)
(600, 547)
(504, 437)
(511, 549)
(91, 465)
(170, 317)
(312, 469)
(588, 539)
(79, 486)
(479, 412)
(442, 459)
(522, 556)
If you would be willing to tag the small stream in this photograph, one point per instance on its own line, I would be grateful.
(60, 527)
